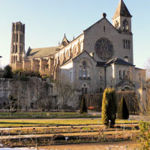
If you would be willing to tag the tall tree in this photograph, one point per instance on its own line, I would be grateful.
(12, 104)
(109, 107)
(8, 72)
(123, 112)
(83, 106)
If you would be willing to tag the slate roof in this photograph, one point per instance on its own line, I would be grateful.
(118, 61)
(100, 64)
(71, 59)
(41, 52)
(122, 10)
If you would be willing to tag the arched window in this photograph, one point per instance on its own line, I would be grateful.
(84, 71)
(74, 51)
(79, 48)
(70, 53)
(125, 26)
(126, 58)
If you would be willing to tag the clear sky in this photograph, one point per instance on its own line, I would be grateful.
(47, 20)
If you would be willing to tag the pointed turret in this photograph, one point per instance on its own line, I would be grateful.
(28, 51)
(122, 10)
(65, 41)
(122, 18)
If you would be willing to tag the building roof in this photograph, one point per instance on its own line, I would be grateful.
(100, 64)
(71, 59)
(84, 51)
(118, 61)
(41, 52)
(122, 10)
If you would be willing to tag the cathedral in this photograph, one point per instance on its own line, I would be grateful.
(100, 57)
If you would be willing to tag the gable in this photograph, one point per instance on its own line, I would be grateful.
(84, 55)
(99, 24)
(104, 32)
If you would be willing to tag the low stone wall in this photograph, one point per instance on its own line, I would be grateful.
(32, 94)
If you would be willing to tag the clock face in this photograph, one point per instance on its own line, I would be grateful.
(104, 49)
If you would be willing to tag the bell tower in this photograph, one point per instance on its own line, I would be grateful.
(122, 18)
(17, 43)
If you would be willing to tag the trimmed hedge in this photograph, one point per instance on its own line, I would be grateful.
(123, 112)
(83, 106)
(109, 107)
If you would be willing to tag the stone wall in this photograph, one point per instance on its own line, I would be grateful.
(32, 94)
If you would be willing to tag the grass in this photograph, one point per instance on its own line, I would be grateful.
(31, 132)
(4, 123)
(44, 115)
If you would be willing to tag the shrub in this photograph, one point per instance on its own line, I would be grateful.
(109, 107)
(25, 75)
(12, 104)
(8, 72)
(144, 136)
(123, 112)
(83, 107)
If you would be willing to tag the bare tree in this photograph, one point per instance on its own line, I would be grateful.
(12, 104)
(65, 91)
(148, 96)
(147, 102)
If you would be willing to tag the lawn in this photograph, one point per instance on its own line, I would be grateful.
(54, 122)
(44, 115)
(31, 132)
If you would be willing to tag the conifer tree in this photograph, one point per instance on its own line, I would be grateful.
(83, 107)
(109, 107)
(8, 72)
(123, 112)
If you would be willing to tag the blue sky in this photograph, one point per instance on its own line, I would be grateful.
(47, 20)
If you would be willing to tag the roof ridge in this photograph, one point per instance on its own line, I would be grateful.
(45, 47)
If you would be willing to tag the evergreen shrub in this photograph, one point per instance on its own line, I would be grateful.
(123, 112)
(83, 106)
(109, 107)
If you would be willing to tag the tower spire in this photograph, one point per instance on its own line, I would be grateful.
(64, 41)
(122, 10)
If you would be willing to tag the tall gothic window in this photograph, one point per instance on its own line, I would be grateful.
(84, 71)
(126, 44)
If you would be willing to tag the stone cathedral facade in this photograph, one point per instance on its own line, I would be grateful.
(100, 57)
